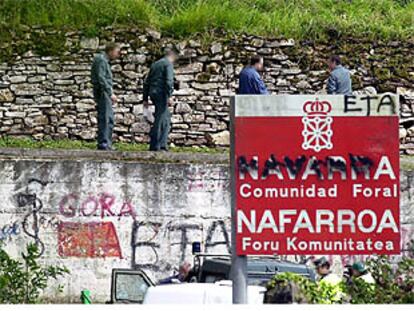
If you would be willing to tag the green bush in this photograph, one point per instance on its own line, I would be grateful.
(303, 289)
(394, 285)
(23, 281)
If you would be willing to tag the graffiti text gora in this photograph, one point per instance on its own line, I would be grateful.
(101, 205)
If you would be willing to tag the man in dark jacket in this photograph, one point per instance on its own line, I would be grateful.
(339, 81)
(101, 76)
(159, 86)
(250, 81)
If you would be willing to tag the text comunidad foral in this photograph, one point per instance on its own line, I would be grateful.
(247, 191)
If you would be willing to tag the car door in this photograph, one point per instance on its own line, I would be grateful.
(129, 286)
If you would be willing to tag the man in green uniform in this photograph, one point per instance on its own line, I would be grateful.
(359, 270)
(325, 277)
(159, 86)
(101, 76)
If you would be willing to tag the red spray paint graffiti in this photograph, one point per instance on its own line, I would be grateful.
(103, 205)
(93, 239)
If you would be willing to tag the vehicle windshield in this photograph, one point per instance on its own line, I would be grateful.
(130, 287)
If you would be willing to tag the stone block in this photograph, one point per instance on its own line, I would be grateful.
(6, 95)
(89, 43)
(85, 105)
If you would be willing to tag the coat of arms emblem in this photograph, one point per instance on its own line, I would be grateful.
(317, 131)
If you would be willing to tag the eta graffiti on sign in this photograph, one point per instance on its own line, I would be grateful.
(316, 174)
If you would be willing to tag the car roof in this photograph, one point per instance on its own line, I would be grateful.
(197, 293)
(255, 264)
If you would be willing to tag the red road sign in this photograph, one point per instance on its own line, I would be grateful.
(316, 174)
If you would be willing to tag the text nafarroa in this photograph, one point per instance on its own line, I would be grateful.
(323, 220)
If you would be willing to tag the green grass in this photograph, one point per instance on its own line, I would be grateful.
(13, 142)
(78, 14)
(300, 19)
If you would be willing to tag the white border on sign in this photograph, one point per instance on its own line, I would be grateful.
(293, 105)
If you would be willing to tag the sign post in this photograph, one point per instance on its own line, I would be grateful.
(238, 271)
(313, 174)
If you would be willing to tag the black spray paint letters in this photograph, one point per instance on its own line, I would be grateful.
(147, 236)
(29, 199)
(351, 105)
(302, 165)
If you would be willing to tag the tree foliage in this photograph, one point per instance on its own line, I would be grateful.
(394, 284)
(299, 289)
(22, 281)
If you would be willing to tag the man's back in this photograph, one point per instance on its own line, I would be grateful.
(100, 69)
(331, 278)
(339, 81)
(367, 277)
(160, 78)
(250, 82)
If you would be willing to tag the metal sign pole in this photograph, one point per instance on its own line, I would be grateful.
(238, 263)
(239, 277)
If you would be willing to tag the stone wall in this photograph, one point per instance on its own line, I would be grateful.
(46, 96)
(92, 213)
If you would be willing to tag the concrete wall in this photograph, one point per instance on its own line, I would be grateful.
(93, 212)
(92, 216)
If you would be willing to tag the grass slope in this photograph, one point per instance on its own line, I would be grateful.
(12, 142)
(300, 19)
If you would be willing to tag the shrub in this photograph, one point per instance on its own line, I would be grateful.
(302, 290)
(394, 285)
(23, 281)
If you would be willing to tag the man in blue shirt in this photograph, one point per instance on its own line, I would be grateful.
(339, 81)
(250, 81)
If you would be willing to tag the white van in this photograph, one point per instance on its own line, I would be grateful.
(199, 293)
(134, 286)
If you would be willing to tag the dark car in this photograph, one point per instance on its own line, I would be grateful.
(212, 268)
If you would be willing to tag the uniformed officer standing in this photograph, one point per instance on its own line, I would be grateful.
(101, 76)
(326, 276)
(323, 269)
(360, 271)
(159, 86)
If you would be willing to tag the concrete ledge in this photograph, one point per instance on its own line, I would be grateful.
(407, 162)
(109, 156)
